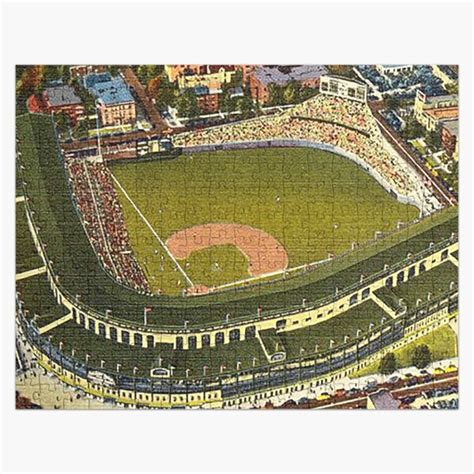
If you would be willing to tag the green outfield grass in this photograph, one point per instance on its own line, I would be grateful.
(442, 343)
(313, 202)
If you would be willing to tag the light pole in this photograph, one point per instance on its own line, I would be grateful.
(97, 126)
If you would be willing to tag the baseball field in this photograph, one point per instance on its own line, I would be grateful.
(210, 219)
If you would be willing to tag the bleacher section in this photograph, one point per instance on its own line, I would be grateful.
(434, 283)
(39, 301)
(27, 257)
(219, 359)
(334, 329)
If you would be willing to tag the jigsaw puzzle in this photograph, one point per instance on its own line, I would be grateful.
(237, 236)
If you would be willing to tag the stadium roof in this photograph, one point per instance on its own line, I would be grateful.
(282, 75)
(62, 95)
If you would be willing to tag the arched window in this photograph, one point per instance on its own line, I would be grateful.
(353, 299)
(234, 335)
(389, 282)
(219, 338)
(365, 293)
(411, 272)
(102, 329)
(179, 343)
(125, 337)
(82, 320)
(250, 332)
(400, 277)
(113, 334)
(281, 324)
(150, 341)
(192, 342)
(91, 325)
(138, 339)
(205, 340)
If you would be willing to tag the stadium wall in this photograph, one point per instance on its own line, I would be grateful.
(248, 386)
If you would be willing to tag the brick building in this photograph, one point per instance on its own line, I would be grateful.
(431, 112)
(194, 75)
(115, 102)
(207, 99)
(449, 137)
(83, 70)
(58, 99)
(262, 77)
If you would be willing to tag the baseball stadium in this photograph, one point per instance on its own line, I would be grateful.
(250, 259)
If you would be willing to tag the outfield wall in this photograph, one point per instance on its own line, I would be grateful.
(405, 199)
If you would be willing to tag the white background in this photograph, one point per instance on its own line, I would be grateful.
(248, 32)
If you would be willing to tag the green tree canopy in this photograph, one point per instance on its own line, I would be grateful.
(187, 104)
(388, 364)
(421, 356)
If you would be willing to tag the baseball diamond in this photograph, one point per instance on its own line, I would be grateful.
(229, 264)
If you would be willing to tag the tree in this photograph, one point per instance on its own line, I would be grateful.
(166, 94)
(391, 102)
(63, 122)
(433, 139)
(114, 69)
(237, 79)
(245, 106)
(421, 356)
(291, 93)
(388, 364)
(275, 93)
(413, 129)
(187, 104)
(153, 86)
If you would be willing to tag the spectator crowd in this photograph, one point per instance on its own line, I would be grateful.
(102, 217)
(346, 124)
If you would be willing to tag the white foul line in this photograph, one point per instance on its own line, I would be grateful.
(140, 213)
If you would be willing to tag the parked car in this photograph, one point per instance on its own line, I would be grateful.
(394, 379)
(323, 396)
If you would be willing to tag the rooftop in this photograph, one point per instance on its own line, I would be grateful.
(452, 126)
(440, 100)
(383, 400)
(443, 113)
(62, 95)
(109, 90)
(282, 75)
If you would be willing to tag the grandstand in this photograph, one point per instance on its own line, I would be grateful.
(84, 315)
(345, 127)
